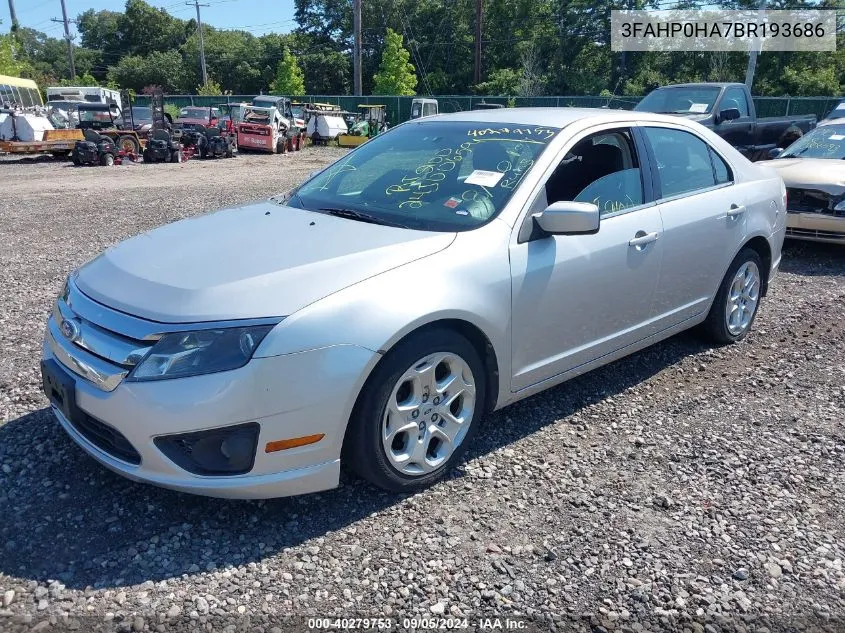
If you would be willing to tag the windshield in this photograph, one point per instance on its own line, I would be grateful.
(297, 111)
(99, 116)
(433, 176)
(251, 115)
(266, 103)
(142, 114)
(686, 100)
(823, 142)
(838, 112)
(194, 113)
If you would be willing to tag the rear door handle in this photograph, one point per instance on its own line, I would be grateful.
(642, 238)
(735, 210)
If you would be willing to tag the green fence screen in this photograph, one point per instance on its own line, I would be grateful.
(399, 108)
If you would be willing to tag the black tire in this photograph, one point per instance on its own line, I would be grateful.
(282, 145)
(106, 160)
(76, 161)
(715, 327)
(174, 156)
(363, 451)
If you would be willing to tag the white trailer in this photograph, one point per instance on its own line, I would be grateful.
(86, 94)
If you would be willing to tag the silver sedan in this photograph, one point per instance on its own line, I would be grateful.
(371, 317)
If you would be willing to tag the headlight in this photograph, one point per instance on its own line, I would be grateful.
(840, 206)
(183, 354)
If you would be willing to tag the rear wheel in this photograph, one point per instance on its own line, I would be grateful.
(736, 303)
(128, 144)
(174, 156)
(76, 161)
(282, 145)
(417, 413)
(107, 160)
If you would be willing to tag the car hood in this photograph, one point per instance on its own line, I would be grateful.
(259, 260)
(191, 121)
(825, 174)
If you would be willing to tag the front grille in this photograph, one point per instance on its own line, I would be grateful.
(811, 201)
(106, 438)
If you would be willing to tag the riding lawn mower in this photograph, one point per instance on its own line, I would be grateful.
(96, 149)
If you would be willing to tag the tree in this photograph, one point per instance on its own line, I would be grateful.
(289, 77)
(156, 69)
(210, 89)
(396, 75)
(9, 63)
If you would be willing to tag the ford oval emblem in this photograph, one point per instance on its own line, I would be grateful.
(70, 329)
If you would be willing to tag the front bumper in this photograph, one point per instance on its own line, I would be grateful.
(815, 227)
(289, 396)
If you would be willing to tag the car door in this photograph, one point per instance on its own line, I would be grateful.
(576, 298)
(703, 215)
(741, 132)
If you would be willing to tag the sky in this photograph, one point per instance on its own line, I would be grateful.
(255, 16)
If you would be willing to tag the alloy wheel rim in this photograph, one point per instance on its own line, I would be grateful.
(743, 297)
(428, 414)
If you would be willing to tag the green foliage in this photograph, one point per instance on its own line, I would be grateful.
(209, 89)
(10, 63)
(396, 75)
(156, 69)
(289, 79)
(172, 110)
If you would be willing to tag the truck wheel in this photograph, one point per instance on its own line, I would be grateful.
(107, 160)
(128, 144)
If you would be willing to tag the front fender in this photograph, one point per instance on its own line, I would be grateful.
(468, 281)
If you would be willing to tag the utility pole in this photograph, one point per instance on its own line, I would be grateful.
(356, 48)
(753, 52)
(479, 14)
(202, 44)
(68, 38)
(13, 15)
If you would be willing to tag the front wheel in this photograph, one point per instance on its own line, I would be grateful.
(107, 160)
(417, 413)
(737, 300)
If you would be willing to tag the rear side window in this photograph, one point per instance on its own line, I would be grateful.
(720, 168)
(684, 162)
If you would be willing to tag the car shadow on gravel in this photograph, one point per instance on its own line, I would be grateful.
(813, 258)
(65, 517)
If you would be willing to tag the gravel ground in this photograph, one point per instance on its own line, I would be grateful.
(683, 488)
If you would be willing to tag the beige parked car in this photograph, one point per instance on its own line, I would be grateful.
(813, 168)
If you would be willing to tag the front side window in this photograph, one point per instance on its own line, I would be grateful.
(684, 161)
(603, 169)
(735, 98)
(430, 175)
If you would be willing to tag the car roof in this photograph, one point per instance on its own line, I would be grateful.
(703, 84)
(554, 117)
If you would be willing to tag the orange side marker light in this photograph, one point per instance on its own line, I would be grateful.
(283, 445)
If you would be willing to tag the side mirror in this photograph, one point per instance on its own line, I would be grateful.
(729, 114)
(569, 218)
(775, 152)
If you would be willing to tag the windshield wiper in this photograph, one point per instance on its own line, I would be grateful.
(360, 216)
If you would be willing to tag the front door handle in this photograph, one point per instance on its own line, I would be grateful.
(642, 238)
(736, 210)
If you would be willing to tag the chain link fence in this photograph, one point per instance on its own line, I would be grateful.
(399, 108)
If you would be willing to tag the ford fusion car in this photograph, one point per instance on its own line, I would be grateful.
(372, 316)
